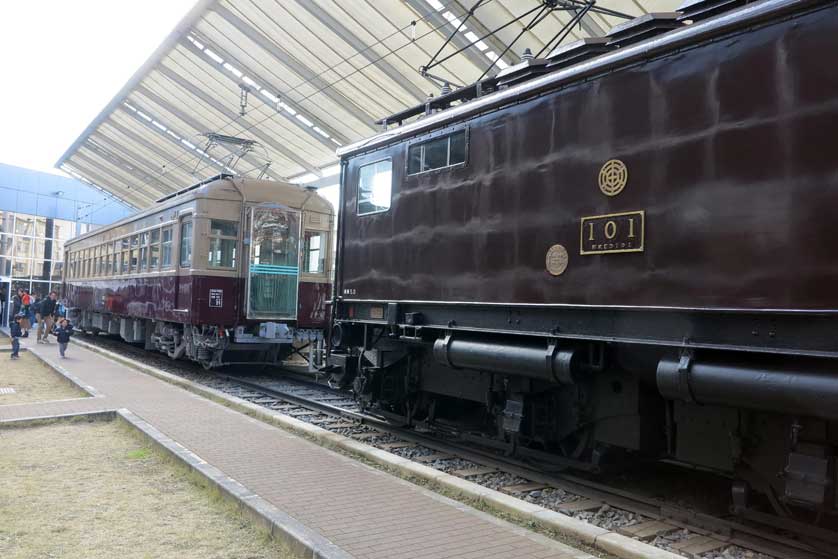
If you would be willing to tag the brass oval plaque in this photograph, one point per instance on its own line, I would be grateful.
(556, 261)
(613, 177)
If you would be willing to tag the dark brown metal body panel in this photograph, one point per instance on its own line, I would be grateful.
(730, 148)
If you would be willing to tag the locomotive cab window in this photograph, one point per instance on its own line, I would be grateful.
(375, 184)
(438, 153)
(223, 236)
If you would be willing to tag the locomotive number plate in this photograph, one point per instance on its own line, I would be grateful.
(608, 234)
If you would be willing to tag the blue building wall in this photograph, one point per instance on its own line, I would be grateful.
(39, 212)
(47, 195)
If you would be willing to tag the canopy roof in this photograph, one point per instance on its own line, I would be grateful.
(309, 76)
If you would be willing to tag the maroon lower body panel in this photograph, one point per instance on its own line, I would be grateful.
(313, 304)
(188, 299)
(185, 299)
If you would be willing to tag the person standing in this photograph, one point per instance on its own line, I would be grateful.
(4, 295)
(63, 332)
(15, 332)
(17, 304)
(26, 309)
(35, 306)
(48, 306)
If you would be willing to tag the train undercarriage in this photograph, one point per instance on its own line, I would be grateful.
(209, 345)
(767, 422)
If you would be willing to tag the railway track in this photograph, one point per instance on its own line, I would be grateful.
(685, 530)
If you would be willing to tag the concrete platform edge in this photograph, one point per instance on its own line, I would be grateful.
(105, 415)
(302, 541)
(70, 377)
(605, 540)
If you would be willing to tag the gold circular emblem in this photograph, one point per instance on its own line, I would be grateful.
(613, 177)
(556, 260)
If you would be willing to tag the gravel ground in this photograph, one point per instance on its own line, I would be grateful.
(92, 491)
(33, 381)
(609, 518)
(735, 552)
(498, 480)
(551, 498)
(413, 452)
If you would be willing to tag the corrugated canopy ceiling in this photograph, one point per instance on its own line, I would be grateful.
(317, 75)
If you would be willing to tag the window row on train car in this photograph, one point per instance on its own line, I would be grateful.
(152, 250)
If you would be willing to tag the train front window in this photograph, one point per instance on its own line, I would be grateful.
(314, 252)
(375, 183)
(223, 237)
(274, 263)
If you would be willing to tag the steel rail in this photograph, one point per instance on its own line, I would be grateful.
(732, 532)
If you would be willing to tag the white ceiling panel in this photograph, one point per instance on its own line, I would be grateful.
(317, 74)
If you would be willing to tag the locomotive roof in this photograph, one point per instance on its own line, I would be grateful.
(655, 46)
(227, 187)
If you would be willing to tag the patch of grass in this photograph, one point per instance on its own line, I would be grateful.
(65, 491)
(138, 454)
(33, 381)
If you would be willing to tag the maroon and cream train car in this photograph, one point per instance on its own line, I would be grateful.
(227, 270)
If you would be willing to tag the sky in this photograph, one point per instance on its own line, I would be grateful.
(63, 61)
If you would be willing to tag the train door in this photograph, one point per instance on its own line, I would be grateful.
(273, 274)
(183, 287)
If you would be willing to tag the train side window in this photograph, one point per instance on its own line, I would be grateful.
(144, 251)
(375, 185)
(154, 254)
(223, 236)
(135, 243)
(126, 244)
(166, 246)
(438, 153)
(314, 252)
(186, 244)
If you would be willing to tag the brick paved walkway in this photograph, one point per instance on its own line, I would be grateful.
(366, 512)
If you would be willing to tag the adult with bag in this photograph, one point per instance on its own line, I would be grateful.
(47, 311)
(17, 304)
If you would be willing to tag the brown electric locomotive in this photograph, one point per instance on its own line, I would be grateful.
(625, 248)
(228, 270)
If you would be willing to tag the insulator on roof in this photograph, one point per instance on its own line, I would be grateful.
(446, 89)
(527, 55)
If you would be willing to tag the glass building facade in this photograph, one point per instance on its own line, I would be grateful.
(32, 251)
(39, 212)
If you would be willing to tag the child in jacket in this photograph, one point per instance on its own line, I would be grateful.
(63, 331)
